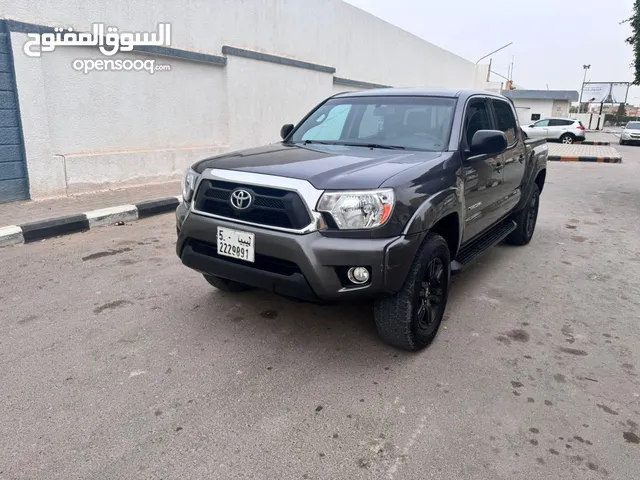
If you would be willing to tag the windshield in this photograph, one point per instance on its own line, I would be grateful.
(412, 123)
(633, 126)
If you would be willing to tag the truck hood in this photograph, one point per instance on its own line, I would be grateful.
(326, 167)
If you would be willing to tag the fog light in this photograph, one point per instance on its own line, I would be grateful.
(358, 275)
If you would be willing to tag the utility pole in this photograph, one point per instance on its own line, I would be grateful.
(586, 68)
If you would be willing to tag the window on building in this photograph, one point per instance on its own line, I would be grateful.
(506, 120)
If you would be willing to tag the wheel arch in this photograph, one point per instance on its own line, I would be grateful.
(440, 213)
(448, 227)
(567, 134)
(444, 209)
(541, 176)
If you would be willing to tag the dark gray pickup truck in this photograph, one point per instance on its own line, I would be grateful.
(380, 194)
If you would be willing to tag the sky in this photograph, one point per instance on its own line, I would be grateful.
(552, 39)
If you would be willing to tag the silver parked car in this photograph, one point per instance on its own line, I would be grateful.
(630, 133)
(566, 130)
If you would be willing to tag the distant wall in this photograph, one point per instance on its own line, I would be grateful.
(527, 108)
(590, 120)
(86, 132)
(544, 108)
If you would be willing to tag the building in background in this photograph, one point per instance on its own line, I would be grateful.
(238, 71)
(533, 105)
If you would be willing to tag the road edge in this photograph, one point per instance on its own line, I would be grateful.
(574, 158)
(55, 227)
(592, 142)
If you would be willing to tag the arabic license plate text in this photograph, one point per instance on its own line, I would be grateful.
(236, 244)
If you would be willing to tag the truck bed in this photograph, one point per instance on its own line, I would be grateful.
(534, 142)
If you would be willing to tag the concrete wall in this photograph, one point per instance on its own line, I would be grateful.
(264, 96)
(561, 108)
(590, 120)
(105, 129)
(526, 108)
(545, 108)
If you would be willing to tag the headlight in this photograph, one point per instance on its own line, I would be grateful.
(189, 185)
(356, 210)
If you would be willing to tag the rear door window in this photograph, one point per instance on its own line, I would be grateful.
(505, 120)
(558, 122)
(478, 118)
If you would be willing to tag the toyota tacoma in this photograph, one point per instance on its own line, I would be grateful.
(379, 194)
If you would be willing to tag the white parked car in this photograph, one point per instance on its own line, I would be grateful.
(566, 130)
(630, 133)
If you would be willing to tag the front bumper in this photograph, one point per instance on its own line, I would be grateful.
(309, 267)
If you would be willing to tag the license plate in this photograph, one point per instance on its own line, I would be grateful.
(236, 244)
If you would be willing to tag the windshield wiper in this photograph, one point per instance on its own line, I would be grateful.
(375, 145)
(307, 142)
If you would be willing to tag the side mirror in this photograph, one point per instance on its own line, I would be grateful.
(532, 125)
(286, 130)
(487, 142)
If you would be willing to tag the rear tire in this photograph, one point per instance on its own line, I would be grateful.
(226, 285)
(410, 318)
(526, 220)
(567, 138)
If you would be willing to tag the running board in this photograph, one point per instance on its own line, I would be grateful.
(473, 250)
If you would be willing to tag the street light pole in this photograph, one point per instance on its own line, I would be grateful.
(584, 79)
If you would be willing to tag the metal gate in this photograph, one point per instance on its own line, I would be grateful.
(14, 184)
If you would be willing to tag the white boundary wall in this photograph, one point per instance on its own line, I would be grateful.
(108, 129)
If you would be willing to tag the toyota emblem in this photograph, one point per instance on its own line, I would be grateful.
(241, 199)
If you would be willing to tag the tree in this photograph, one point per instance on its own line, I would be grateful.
(621, 110)
(634, 40)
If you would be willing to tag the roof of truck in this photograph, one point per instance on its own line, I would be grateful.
(570, 95)
(417, 92)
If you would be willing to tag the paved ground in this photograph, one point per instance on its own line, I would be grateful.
(119, 363)
(629, 153)
(577, 150)
(32, 211)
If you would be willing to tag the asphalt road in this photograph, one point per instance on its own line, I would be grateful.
(117, 362)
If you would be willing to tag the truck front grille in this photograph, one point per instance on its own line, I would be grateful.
(271, 206)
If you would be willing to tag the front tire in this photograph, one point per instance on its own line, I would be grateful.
(567, 138)
(410, 318)
(622, 142)
(225, 285)
(526, 219)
